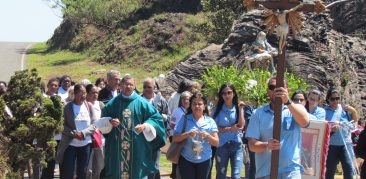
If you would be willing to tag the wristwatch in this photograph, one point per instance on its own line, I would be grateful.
(288, 102)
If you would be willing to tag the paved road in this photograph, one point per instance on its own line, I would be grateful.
(12, 58)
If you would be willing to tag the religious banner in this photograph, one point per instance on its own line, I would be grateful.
(315, 140)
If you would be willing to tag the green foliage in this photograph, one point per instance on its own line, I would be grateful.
(221, 14)
(36, 120)
(251, 86)
(106, 13)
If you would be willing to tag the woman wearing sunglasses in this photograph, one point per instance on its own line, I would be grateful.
(229, 117)
(312, 105)
(340, 143)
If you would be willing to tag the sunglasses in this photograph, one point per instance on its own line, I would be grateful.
(227, 93)
(334, 99)
(298, 100)
(271, 87)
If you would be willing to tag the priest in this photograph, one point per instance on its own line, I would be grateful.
(138, 132)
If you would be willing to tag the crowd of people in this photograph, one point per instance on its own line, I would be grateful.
(113, 131)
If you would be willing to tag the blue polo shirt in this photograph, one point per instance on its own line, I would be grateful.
(319, 113)
(208, 126)
(227, 118)
(342, 136)
(261, 128)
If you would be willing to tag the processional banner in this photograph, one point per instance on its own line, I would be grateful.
(315, 141)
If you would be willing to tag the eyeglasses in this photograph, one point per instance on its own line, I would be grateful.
(298, 100)
(227, 93)
(334, 99)
(271, 87)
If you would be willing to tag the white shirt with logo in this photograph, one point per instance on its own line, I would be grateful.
(82, 121)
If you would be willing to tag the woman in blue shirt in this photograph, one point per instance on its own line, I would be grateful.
(200, 133)
(312, 105)
(340, 144)
(229, 117)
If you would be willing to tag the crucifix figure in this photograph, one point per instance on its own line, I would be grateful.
(281, 17)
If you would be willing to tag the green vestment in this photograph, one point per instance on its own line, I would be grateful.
(127, 153)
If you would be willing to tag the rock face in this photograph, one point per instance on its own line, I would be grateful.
(321, 55)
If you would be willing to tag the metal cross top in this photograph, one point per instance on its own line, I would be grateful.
(281, 16)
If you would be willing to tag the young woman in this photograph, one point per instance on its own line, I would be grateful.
(340, 144)
(176, 116)
(312, 105)
(229, 117)
(76, 137)
(200, 133)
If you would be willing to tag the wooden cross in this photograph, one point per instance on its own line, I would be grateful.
(283, 6)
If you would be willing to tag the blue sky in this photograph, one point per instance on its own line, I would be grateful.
(27, 20)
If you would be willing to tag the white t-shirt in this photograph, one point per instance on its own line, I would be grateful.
(173, 102)
(82, 121)
(62, 93)
(176, 116)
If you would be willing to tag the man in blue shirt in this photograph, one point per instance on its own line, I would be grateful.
(260, 133)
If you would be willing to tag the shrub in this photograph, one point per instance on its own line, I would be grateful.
(251, 86)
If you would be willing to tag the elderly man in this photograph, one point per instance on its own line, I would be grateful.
(260, 132)
(111, 90)
(160, 104)
(138, 133)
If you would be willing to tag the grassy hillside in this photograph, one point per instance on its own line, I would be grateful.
(149, 48)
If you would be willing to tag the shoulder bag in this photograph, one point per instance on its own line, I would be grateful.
(175, 148)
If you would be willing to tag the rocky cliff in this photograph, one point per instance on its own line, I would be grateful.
(322, 55)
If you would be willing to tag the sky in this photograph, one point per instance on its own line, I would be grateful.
(27, 20)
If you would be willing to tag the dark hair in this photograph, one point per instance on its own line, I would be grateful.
(89, 87)
(3, 82)
(299, 92)
(221, 101)
(53, 80)
(62, 79)
(184, 85)
(98, 81)
(331, 91)
(43, 87)
(78, 87)
(199, 96)
(275, 78)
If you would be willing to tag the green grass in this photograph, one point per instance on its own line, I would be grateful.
(78, 66)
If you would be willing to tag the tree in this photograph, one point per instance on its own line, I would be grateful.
(29, 134)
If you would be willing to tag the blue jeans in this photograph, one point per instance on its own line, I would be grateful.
(336, 154)
(81, 156)
(189, 170)
(232, 151)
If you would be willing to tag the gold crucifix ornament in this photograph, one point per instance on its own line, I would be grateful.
(282, 20)
(281, 16)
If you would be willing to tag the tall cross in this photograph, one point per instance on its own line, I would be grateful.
(281, 25)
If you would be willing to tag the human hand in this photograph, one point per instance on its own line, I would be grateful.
(282, 93)
(204, 134)
(241, 104)
(236, 127)
(273, 144)
(79, 136)
(334, 127)
(114, 122)
(192, 133)
(140, 127)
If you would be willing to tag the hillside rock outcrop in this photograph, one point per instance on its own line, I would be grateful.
(324, 57)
